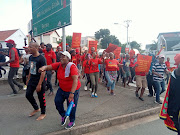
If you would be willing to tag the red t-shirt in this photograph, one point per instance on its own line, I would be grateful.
(86, 65)
(49, 56)
(94, 65)
(131, 62)
(74, 59)
(78, 57)
(15, 63)
(111, 65)
(167, 64)
(83, 57)
(65, 83)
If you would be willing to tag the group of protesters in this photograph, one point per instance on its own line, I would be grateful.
(41, 62)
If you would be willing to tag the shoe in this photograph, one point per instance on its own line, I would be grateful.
(154, 95)
(95, 95)
(85, 88)
(90, 89)
(20, 88)
(150, 95)
(63, 120)
(108, 89)
(12, 94)
(158, 102)
(136, 93)
(25, 87)
(141, 98)
(112, 93)
(70, 125)
(92, 94)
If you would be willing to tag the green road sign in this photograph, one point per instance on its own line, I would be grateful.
(49, 15)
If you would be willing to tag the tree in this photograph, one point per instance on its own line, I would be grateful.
(68, 40)
(103, 35)
(154, 45)
(135, 45)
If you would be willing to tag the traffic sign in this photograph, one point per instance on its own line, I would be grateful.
(49, 15)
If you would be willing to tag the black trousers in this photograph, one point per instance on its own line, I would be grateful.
(41, 96)
(150, 84)
(11, 81)
(25, 74)
(88, 80)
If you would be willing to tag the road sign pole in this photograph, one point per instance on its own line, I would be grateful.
(64, 39)
(41, 38)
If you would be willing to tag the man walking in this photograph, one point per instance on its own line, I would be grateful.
(14, 66)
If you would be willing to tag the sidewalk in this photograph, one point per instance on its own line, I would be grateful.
(14, 110)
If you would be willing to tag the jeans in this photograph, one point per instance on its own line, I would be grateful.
(158, 86)
(11, 81)
(49, 84)
(151, 85)
(94, 81)
(111, 83)
(59, 102)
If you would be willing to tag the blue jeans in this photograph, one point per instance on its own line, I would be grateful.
(111, 83)
(160, 88)
(61, 96)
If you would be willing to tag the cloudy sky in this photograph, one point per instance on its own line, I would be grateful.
(149, 17)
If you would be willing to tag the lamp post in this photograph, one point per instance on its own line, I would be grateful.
(127, 26)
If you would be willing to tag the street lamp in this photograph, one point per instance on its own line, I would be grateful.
(127, 26)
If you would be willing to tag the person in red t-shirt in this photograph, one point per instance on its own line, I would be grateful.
(111, 66)
(85, 70)
(73, 57)
(69, 86)
(14, 66)
(50, 58)
(94, 73)
(141, 83)
(168, 68)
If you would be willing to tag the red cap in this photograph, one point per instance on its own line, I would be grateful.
(10, 41)
(177, 59)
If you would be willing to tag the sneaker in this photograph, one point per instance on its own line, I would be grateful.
(141, 98)
(12, 94)
(63, 120)
(154, 95)
(95, 95)
(108, 89)
(150, 95)
(112, 93)
(70, 125)
(158, 102)
(136, 93)
(92, 94)
(85, 88)
(25, 87)
(90, 89)
(51, 93)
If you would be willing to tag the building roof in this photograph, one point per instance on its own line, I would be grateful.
(176, 46)
(5, 34)
(49, 33)
(170, 34)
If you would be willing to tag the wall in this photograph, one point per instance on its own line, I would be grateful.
(18, 38)
(54, 35)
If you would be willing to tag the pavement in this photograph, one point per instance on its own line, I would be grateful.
(150, 125)
(15, 110)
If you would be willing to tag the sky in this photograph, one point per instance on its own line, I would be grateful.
(148, 17)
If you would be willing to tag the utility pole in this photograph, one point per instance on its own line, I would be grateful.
(127, 26)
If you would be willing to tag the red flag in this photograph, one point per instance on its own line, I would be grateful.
(111, 48)
(126, 50)
(76, 40)
(117, 52)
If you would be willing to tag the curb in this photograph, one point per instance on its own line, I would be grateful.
(95, 126)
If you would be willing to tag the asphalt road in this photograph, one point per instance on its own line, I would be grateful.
(146, 126)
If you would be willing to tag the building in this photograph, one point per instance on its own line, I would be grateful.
(17, 35)
(85, 40)
(50, 37)
(170, 42)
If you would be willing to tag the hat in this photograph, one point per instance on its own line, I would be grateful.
(161, 56)
(66, 54)
(10, 41)
(177, 59)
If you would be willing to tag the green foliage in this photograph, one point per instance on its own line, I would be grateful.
(154, 45)
(123, 46)
(106, 38)
(135, 45)
(69, 40)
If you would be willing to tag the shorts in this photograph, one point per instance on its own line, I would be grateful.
(127, 74)
(141, 81)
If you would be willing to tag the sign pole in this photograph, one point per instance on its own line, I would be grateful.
(64, 39)
(41, 38)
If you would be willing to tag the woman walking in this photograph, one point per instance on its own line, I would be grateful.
(69, 86)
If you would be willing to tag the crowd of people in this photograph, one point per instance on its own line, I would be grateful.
(40, 62)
